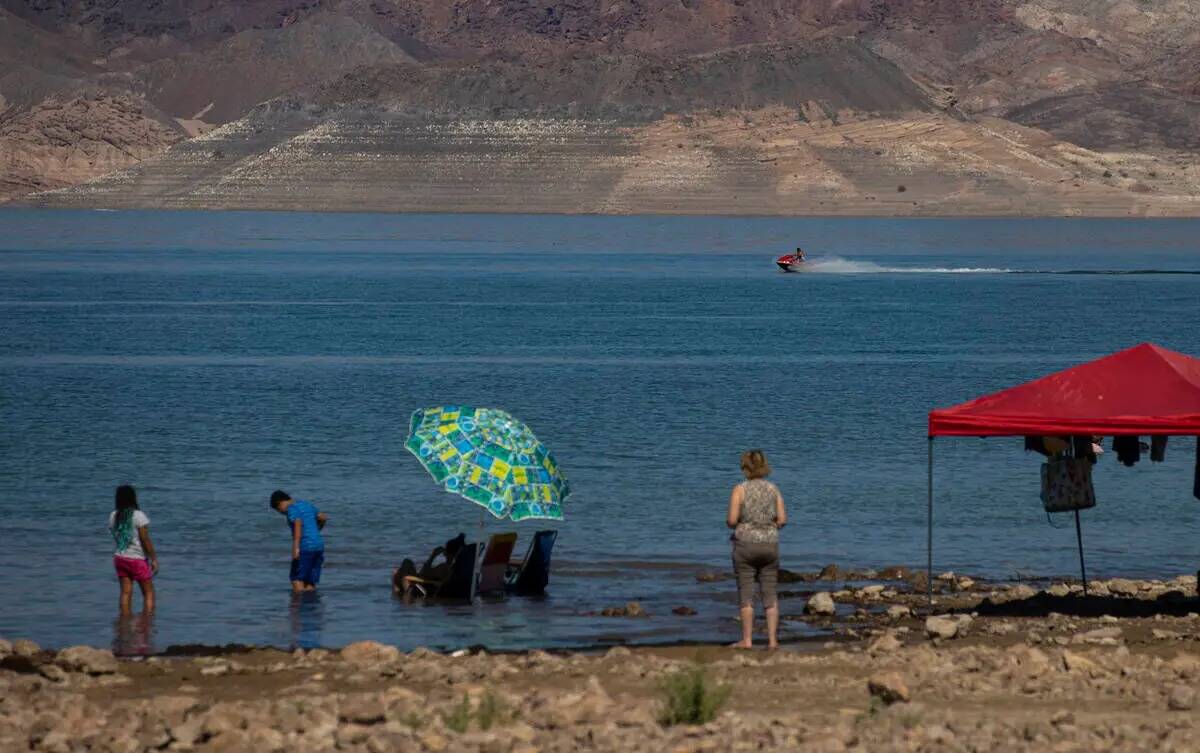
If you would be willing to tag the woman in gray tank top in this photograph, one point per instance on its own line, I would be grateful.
(756, 513)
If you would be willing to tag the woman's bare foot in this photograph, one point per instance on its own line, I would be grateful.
(772, 646)
(740, 644)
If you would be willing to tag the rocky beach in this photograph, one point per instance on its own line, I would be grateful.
(994, 667)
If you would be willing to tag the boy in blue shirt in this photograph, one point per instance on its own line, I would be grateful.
(308, 548)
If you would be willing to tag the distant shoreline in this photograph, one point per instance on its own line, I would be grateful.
(25, 204)
(753, 163)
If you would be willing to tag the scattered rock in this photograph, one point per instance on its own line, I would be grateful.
(220, 669)
(222, 719)
(1181, 698)
(1000, 628)
(1059, 590)
(1166, 635)
(25, 648)
(632, 609)
(947, 577)
(1032, 660)
(1106, 636)
(264, 740)
(1187, 584)
(872, 591)
(92, 661)
(830, 572)
(6, 648)
(898, 612)
(1076, 663)
(173, 706)
(821, 603)
(965, 584)
(186, 731)
(362, 709)
(918, 581)
(1186, 665)
(1021, 591)
(365, 653)
(52, 672)
(790, 576)
(941, 627)
(683, 611)
(885, 644)
(888, 687)
(1123, 587)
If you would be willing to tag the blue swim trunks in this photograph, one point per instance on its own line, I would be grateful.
(307, 569)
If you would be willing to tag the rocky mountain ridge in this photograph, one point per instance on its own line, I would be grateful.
(1118, 82)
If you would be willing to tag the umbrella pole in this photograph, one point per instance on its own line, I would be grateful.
(1079, 538)
(929, 533)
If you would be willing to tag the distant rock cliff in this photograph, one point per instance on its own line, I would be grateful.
(62, 141)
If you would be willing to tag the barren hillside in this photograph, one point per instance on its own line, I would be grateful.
(864, 106)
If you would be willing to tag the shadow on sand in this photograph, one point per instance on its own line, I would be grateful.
(1172, 603)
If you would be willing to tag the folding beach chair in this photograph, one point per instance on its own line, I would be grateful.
(464, 574)
(532, 575)
(493, 573)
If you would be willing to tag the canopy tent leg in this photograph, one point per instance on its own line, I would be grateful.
(929, 533)
(1079, 538)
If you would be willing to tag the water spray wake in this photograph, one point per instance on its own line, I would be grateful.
(839, 266)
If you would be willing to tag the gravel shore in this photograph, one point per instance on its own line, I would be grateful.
(1002, 668)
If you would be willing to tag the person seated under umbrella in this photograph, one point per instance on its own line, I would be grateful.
(407, 575)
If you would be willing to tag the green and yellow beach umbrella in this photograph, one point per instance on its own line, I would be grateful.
(490, 458)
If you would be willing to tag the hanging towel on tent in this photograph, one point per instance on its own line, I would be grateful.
(1084, 447)
(1128, 449)
(1196, 478)
(1158, 448)
(1036, 444)
(1067, 484)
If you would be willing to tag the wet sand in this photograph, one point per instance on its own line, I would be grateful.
(998, 667)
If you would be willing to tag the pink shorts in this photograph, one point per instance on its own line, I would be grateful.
(128, 567)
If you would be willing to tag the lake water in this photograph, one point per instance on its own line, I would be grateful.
(209, 358)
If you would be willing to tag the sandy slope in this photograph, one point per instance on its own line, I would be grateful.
(770, 161)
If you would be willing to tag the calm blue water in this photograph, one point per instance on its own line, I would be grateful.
(209, 358)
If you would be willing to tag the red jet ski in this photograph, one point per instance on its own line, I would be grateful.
(792, 262)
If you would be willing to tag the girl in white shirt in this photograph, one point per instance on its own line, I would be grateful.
(135, 559)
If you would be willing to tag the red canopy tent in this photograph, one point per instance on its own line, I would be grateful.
(1145, 389)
